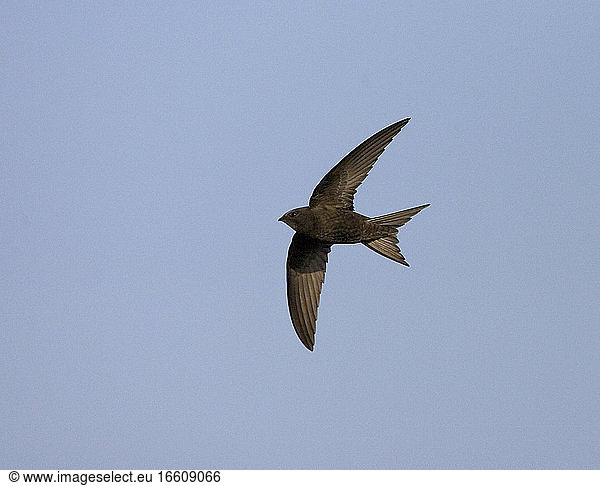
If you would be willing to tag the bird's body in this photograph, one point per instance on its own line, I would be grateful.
(338, 226)
(330, 219)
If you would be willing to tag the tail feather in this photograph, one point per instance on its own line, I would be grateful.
(398, 218)
(388, 245)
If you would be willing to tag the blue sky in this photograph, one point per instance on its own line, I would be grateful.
(148, 150)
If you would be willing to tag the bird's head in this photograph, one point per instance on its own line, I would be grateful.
(296, 218)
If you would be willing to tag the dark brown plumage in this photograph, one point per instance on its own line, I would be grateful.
(330, 218)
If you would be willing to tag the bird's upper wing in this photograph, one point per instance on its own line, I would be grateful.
(306, 261)
(339, 185)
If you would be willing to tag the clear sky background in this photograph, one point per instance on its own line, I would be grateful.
(147, 152)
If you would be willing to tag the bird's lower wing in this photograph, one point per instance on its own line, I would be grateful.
(306, 262)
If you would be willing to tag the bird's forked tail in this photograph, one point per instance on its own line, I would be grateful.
(388, 245)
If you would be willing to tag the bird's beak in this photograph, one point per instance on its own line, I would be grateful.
(280, 219)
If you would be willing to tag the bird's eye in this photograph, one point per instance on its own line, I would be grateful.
(293, 214)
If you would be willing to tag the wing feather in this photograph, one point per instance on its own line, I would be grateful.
(305, 268)
(339, 185)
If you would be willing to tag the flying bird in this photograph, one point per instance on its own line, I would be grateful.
(330, 219)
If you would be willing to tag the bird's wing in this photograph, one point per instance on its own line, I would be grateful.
(306, 261)
(339, 185)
